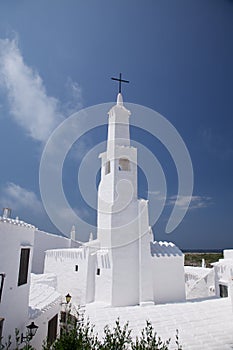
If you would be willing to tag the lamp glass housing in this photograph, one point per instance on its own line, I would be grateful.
(32, 329)
(68, 298)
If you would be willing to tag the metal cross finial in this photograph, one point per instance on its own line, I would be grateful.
(120, 81)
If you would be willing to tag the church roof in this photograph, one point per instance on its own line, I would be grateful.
(166, 249)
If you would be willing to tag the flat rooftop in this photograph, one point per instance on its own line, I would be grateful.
(202, 324)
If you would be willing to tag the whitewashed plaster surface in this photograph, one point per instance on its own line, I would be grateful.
(45, 241)
(14, 235)
(199, 282)
(202, 324)
(44, 304)
(63, 263)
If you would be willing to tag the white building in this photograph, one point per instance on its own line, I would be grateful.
(224, 275)
(26, 297)
(199, 282)
(123, 266)
(17, 239)
(44, 241)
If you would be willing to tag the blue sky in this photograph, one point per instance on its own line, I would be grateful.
(57, 57)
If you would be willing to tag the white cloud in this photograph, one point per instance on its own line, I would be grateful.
(19, 198)
(197, 202)
(29, 104)
(156, 195)
(73, 96)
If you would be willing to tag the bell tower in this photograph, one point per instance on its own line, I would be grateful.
(117, 193)
(123, 230)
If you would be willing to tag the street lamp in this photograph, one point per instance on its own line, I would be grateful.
(31, 331)
(66, 312)
(68, 298)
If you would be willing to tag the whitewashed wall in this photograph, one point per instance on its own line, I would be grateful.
(14, 302)
(62, 262)
(103, 282)
(199, 282)
(91, 272)
(228, 253)
(223, 273)
(45, 241)
(168, 279)
(145, 259)
(42, 322)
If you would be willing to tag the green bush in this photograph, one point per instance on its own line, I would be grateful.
(8, 344)
(82, 336)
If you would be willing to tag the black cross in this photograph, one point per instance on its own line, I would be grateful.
(120, 81)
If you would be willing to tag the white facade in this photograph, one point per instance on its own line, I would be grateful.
(15, 237)
(123, 266)
(24, 297)
(168, 272)
(199, 282)
(73, 268)
(45, 241)
(44, 306)
(224, 274)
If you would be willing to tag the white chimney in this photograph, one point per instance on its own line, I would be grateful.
(6, 213)
(73, 233)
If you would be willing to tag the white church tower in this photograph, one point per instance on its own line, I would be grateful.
(123, 228)
(123, 266)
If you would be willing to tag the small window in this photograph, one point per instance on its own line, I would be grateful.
(23, 266)
(76, 268)
(52, 330)
(2, 277)
(98, 272)
(124, 164)
(107, 167)
(223, 291)
(1, 327)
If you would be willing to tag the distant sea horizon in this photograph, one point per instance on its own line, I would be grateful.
(203, 250)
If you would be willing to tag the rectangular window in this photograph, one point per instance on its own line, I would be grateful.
(23, 266)
(1, 327)
(2, 277)
(223, 291)
(52, 330)
(98, 272)
(76, 268)
(107, 167)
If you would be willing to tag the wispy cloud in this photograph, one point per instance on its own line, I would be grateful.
(197, 202)
(156, 194)
(29, 103)
(19, 198)
(73, 96)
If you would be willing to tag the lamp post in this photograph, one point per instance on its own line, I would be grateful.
(31, 331)
(65, 314)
